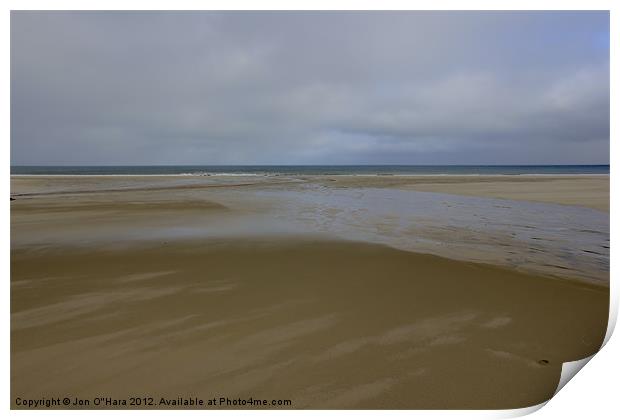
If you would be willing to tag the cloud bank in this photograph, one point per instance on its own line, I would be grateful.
(309, 88)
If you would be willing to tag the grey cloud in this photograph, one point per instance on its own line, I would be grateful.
(303, 88)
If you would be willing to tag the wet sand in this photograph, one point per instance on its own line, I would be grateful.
(576, 190)
(99, 307)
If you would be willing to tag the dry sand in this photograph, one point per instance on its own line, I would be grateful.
(326, 324)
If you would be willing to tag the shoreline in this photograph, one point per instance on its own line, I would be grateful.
(559, 175)
(456, 217)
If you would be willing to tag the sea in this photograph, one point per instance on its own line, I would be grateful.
(248, 170)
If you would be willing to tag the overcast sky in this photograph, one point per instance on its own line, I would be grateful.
(93, 88)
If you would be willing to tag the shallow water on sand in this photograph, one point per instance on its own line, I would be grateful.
(549, 237)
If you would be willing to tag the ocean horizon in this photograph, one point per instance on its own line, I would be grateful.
(240, 170)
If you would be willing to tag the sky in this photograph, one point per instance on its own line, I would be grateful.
(234, 88)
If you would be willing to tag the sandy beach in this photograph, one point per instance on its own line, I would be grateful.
(331, 292)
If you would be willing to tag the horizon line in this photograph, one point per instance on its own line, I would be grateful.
(320, 164)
